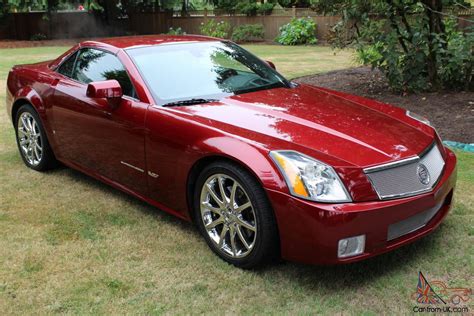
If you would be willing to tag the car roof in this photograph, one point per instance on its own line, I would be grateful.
(127, 42)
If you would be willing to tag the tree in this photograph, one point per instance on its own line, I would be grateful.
(415, 43)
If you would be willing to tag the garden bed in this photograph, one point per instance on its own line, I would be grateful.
(452, 113)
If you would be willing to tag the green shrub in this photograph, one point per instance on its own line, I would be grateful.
(248, 33)
(408, 71)
(416, 44)
(38, 37)
(266, 8)
(457, 61)
(246, 7)
(177, 31)
(298, 32)
(215, 29)
(250, 8)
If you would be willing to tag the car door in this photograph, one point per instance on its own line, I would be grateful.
(100, 138)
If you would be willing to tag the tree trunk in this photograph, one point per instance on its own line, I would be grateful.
(433, 9)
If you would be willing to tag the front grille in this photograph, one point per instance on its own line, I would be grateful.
(407, 177)
(412, 223)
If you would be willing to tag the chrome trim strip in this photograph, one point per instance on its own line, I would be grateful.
(408, 194)
(393, 164)
(402, 162)
(427, 150)
(131, 166)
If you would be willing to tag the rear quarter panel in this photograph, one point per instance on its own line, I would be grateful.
(31, 84)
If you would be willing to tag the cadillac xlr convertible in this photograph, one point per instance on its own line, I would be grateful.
(265, 167)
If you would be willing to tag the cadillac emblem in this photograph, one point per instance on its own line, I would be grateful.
(423, 174)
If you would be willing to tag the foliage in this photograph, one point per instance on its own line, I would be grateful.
(456, 61)
(225, 5)
(38, 37)
(298, 32)
(266, 8)
(215, 29)
(248, 8)
(414, 43)
(177, 31)
(248, 33)
(296, 3)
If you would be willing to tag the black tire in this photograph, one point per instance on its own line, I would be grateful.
(48, 160)
(266, 242)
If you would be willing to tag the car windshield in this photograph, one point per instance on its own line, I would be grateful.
(203, 70)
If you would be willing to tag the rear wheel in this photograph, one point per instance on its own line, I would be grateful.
(234, 215)
(31, 140)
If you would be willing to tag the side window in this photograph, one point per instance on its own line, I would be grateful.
(96, 65)
(66, 67)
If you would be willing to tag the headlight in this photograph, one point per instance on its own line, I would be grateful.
(310, 179)
(418, 117)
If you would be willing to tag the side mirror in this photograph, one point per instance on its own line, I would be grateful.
(269, 63)
(109, 89)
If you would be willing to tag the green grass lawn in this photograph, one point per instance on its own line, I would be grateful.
(69, 244)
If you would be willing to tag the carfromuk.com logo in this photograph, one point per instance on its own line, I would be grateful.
(437, 297)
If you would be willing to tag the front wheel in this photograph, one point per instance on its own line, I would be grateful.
(234, 215)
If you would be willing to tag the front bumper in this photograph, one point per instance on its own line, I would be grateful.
(310, 232)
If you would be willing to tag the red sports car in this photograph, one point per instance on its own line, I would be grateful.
(265, 167)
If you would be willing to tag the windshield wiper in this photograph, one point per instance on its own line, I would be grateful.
(189, 102)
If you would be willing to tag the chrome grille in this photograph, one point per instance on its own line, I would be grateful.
(412, 223)
(407, 177)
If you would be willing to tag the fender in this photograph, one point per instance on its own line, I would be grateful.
(177, 149)
(251, 157)
(29, 95)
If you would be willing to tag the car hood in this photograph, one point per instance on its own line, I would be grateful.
(344, 129)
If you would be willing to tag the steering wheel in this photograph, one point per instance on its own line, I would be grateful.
(255, 82)
(226, 74)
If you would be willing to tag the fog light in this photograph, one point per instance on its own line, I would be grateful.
(352, 246)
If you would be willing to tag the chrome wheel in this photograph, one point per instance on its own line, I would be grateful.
(228, 215)
(29, 139)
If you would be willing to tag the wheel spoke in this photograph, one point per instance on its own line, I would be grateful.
(242, 238)
(243, 207)
(232, 194)
(30, 124)
(220, 181)
(214, 195)
(36, 153)
(34, 128)
(245, 224)
(214, 223)
(232, 240)
(211, 208)
(224, 231)
(24, 123)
